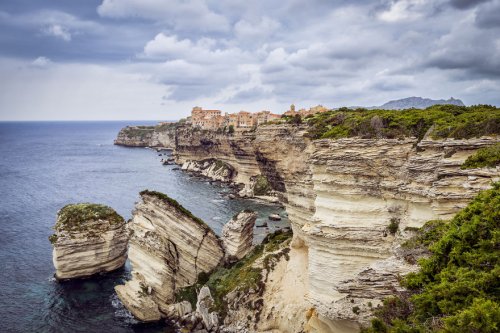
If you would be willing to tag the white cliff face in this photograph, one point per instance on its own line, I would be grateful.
(341, 196)
(169, 248)
(210, 168)
(88, 239)
(237, 234)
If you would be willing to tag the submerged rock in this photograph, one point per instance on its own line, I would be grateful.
(88, 239)
(237, 234)
(169, 248)
(211, 168)
(274, 217)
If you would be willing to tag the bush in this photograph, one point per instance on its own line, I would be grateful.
(457, 287)
(484, 157)
(230, 130)
(261, 186)
(446, 121)
(393, 225)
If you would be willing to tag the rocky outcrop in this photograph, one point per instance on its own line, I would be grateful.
(211, 168)
(169, 248)
(204, 305)
(135, 136)
(161, 135)
(237, 235)
(88, 239)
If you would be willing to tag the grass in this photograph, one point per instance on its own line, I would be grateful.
(484, 157)
(76, 217)
(171, 202)
(444, 121)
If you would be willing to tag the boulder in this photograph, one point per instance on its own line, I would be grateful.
(237, 234)
(204, 304)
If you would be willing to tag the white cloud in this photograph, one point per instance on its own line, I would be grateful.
(41, 62)
(260, 30)
(193, 15)
(58, 31)
(407, 10)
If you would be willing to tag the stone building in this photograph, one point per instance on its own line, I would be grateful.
(212, 119)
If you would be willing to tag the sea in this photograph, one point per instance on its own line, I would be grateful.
(46, 165)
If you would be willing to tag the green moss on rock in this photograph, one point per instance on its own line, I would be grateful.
(79, 217)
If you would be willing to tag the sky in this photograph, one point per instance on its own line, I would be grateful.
(156, 59)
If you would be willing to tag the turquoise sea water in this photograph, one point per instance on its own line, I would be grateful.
(46, 165)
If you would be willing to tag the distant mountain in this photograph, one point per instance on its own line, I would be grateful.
(417, 103)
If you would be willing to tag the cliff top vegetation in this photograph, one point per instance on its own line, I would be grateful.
(173, 203)
(484, 157)
(78, 217)
(457, 288)
(442, 121)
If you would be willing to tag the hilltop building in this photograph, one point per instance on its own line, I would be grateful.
(304, 112)
(213, 119)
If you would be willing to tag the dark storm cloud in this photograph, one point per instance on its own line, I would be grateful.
(488, 16)
(465, 4)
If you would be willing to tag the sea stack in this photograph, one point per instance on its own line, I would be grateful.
(237, 234)
(169, 248)
(88, 239)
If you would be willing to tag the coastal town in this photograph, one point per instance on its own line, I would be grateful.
(214, 119)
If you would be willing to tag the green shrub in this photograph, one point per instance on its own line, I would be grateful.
(261, 186)
(457, 288)
(484, 157)
(446, 121)
(393, 225)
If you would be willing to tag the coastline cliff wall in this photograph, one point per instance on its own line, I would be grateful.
(341, 197)
(351, 202)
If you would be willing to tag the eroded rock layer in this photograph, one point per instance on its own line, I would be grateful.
(169, 248)
(88, 239)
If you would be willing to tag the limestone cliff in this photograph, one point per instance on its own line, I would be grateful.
(169, 248)
(162, 135)
(350, 202)
(88, 239)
